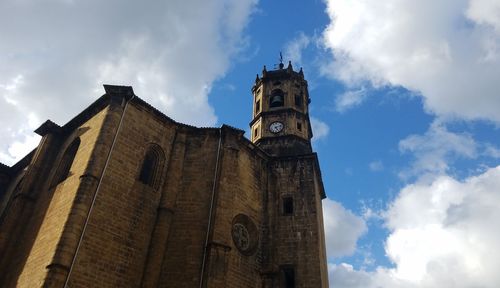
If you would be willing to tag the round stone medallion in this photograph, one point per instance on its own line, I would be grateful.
(245, 234)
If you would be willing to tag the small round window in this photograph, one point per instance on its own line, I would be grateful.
(245, 234)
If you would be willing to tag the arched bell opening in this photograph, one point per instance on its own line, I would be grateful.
(277, 98)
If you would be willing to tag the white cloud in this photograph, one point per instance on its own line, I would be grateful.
(350, 99)
(491, 151)
(344, 275)
(376, 166)
(342, 229)
(55, 56)
(16, 124)
(19, 148)
(486, 12)
(448, 51)
(320, 129)
(369, 213)
(442, 234)
(436, 149)
(294, 48)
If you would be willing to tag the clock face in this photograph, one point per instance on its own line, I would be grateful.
(276, 127)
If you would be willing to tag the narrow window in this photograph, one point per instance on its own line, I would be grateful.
(151, 165)
(257, 107)
(148, 168)
(288, 277)
(298, 101)
(287, 206)
(63, 170)
(299, 126)
(256, 133)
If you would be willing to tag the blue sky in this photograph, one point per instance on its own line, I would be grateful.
(404, 94)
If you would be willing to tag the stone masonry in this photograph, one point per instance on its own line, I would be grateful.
(124, 196)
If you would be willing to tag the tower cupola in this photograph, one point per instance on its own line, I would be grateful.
(280, 123)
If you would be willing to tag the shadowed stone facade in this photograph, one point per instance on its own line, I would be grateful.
(123, 196)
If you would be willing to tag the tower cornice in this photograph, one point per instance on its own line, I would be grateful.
(277, 111)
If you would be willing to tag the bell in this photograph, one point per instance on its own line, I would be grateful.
(276, 101)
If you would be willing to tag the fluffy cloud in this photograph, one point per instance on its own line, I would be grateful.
(350, 99)
(320, 129)
(486, 12)
(342, 229)
(448, 51)
(16, 124)
(442, 234)
(345, 276)
(170, 51)
(294, 48)
(491, 151)
(436, 149)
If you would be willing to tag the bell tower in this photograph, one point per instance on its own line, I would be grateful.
(280, 123)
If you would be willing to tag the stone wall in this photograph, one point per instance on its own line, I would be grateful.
(38, 211)
(213, 215)
(298, 236)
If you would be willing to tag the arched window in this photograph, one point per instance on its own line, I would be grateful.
(63, 170)
(151, 166)
(277, 98)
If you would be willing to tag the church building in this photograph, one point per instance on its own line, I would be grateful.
(124, 196)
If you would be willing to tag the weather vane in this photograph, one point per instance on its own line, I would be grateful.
(281, 65)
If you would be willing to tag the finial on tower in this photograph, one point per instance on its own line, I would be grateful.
(289, 68)
(281, 61)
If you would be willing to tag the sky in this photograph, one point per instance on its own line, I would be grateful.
(405, 108)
